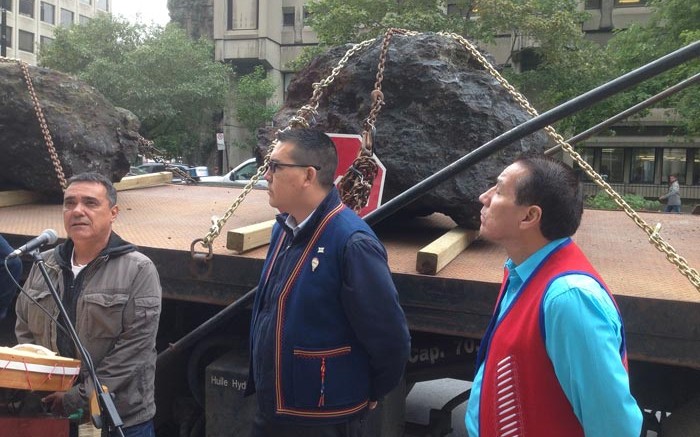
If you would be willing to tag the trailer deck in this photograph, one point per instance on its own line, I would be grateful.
(660, 307)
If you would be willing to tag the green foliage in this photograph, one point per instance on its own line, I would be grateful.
(638, 203)
(167, 79)
(339, 22)
(672, 25)
(250, 101)
(569, 64)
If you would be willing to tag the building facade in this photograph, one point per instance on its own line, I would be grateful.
(637, 159)
(30, 23)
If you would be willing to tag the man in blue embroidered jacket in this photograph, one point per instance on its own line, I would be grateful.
(553, 361)
(328, 336)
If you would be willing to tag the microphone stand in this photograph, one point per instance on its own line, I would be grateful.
(107, 409)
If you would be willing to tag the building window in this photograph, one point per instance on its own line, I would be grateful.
(82, 19)
(592, 4)
(624, 3)
(642, 166)
(288, 16)
(103, 5)
(87, 2)
(7, 4)
(242, 14)
(26, 7)
(696, 168)
(44, 41)
(612, 164)
(674, 163)
(9, 37)
(25, 41)
(66, 17)
(48, 13)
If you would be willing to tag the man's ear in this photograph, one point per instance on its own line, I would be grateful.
(311, 174)
(533, 217)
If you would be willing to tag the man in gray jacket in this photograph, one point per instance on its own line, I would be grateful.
(112, 295)
(673, 197)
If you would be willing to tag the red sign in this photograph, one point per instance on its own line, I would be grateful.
(348, 146)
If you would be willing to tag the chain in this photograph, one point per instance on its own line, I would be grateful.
(653, 233)
(300, 120)
(356, 184)
(147, 149)
(58, 168)
(218, 223)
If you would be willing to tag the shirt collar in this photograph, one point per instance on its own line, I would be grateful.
(527, 267)
(292, 223)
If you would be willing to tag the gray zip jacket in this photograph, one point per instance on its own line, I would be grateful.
(673, 197)
(116, 310)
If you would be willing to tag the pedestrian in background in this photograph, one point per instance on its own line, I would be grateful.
(673, 197)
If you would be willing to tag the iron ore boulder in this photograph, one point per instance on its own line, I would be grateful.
(89, 133)
(440, 105)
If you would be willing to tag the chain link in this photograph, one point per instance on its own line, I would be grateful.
(654, 238)
(58, 168)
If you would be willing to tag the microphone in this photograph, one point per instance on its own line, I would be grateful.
(49, 236)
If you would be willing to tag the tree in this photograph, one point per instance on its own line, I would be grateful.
(251, 94)
(672, 25)
(168, 80)
(565, 59)
(566, 63)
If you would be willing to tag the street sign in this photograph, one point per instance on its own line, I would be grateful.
(348, 146)
(220, 145)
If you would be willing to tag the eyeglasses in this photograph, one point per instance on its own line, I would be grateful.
(274, 166)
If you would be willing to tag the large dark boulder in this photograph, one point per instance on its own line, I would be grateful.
(440, 105)
(89, 133)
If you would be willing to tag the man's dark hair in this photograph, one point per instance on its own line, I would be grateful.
(313, 147)
(556, 189)
(100, 179)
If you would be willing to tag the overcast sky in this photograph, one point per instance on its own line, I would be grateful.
(149, 10)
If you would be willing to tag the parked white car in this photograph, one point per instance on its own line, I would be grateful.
(238, 177)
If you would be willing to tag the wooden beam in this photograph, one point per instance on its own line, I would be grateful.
(18, 197)
(144, 180)
(249, 237)
(436, 255)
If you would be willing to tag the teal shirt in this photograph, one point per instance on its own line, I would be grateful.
(583, 340)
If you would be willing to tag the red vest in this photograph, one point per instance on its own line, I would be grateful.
(520, 393)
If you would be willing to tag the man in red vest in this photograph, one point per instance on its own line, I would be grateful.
(552, 362)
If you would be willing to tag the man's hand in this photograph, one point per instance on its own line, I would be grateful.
(54, 402)
(372, 405)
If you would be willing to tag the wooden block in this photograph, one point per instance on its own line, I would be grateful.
(18, 197)
(144, 180)
(249, 237)
(436, 255)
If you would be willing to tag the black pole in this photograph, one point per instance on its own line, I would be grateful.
(107, 408)
(631, 111)
(632, 78)
(205, 328)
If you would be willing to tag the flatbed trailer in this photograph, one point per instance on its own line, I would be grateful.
(447, 312)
